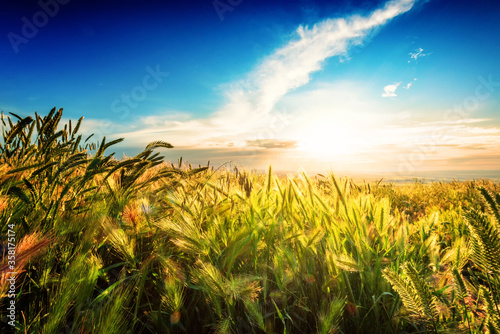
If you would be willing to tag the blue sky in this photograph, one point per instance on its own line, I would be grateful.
(365, 86)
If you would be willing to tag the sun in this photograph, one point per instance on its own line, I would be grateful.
(329, 141)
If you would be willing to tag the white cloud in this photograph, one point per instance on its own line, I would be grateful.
(292, 65)
(390, 90)
(408, 85)
(417, 54)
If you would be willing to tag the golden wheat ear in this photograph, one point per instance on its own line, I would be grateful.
(29, 248)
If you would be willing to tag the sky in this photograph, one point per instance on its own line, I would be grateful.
(401, 86)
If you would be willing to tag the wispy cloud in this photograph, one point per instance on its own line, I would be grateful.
(272, 143)
(292, 65)
(390, 90)
(409, 84)
(418, 53)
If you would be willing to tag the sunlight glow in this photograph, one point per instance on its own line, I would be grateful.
(329, 140)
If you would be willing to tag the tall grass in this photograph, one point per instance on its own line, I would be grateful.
(142, 246)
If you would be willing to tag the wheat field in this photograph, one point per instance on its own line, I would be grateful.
(139, 245)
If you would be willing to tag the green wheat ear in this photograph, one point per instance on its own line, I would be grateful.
(225, 326)
(493, 205)
(158, 144)
(460, 287)
(492, 313)
(414, 292)
(329, 320)
(269, 179)
(485, 241)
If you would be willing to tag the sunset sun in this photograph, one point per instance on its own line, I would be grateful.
(329, 140)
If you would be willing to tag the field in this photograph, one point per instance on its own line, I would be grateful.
(138, 245)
